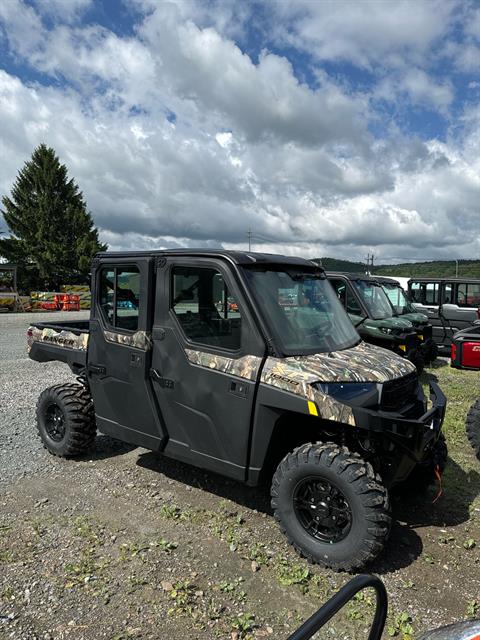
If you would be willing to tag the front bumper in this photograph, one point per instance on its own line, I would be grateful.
(410, 438)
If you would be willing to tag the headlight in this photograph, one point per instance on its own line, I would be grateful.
(386, 330)
(360, 394)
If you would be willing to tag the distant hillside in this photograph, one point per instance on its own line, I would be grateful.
(437, 268)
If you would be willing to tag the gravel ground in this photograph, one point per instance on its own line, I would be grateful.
(21, 380)
(126, 544)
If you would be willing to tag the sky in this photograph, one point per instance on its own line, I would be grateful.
(325, 128)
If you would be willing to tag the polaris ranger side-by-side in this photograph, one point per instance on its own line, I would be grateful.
(370, 311)
(247, 365)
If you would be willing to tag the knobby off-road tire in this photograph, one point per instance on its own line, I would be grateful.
(66, 420)
(432, 354)
(331, 471)
(472, 426)
(418, 360)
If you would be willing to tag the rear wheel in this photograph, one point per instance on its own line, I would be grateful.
(432, 354)
(331, 506)
(66, 420)
(472, 426)
(415, 356)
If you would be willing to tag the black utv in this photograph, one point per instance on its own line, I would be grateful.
(247, 365)
(369, 309)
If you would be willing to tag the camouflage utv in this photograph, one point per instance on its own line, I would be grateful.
(246, 365)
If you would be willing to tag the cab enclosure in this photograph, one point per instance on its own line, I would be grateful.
(451, 304)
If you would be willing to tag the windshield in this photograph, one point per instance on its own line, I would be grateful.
(398, 298)
(302, 310)
(374, 298)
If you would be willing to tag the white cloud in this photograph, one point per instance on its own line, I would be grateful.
(414, 86)
(369, 33)
(250, 145)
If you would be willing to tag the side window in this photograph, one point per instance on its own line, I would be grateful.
(353, 306)
(416, 292)
(425, 292)
(340, 288)
(448, 293)
(120, 297)
(431, 293)
(204, 307)
(468, 295)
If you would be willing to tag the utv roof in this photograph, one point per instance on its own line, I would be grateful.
(386, 280)
(352, 275)
(445, 279)
(237, 257)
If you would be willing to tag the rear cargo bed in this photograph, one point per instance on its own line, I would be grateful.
(65, 341)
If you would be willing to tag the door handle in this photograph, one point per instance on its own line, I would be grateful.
(97, 369)
(238, 388)
(159, 379)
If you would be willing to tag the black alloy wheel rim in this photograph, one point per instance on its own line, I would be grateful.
(322, 510)
(55, 423)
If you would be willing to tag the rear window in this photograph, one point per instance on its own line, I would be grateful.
(120, 297)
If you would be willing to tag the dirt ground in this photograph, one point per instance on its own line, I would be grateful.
(127, 544)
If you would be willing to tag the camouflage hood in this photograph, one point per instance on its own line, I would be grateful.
(362, 363)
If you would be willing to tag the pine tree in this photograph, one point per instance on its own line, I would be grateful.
(52, 236)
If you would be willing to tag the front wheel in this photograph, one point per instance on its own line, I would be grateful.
(66, 420)
(331, 506)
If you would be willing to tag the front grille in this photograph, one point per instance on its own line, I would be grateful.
(398, 393)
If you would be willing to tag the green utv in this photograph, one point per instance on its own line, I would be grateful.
(247, 365)
(373, 316)
(404, 308)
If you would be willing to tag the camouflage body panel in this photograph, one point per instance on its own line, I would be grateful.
(246, 367)
(139, 339)
(59, 337)
(363, 363)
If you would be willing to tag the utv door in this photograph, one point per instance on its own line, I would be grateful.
(119, 353)
(460, 309)
(206, 361)
(426, 298)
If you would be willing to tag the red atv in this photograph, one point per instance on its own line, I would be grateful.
(466, 355)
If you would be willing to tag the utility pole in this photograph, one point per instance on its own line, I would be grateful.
(456, 268)
(369, 262)
(249, 236)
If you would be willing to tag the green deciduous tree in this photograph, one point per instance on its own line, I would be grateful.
(52, 235)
